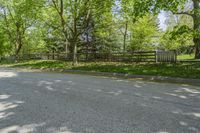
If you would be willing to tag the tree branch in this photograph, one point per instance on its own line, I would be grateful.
(183, 13)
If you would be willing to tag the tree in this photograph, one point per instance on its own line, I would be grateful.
(74, 16)
(18, 16)
(178, 35)
(142, 33)
(176, 7)
(4, 47)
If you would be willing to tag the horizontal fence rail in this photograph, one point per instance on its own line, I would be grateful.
(142, 56)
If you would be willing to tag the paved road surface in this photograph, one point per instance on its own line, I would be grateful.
(64, 103)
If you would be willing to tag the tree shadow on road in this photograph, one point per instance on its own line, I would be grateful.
(35, 107)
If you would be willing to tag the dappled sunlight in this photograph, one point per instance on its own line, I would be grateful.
(138, 94)
(68, 88)
(184, 93)
(176, 95)
(185, 85)
(193, 129)
(155, 97)
(71, 82)
(4, 96)
(144, 105)
(50, 88)
(7, 105)
(4, 115)
(44, 83)
(182, 123)
(7, 109)
(195, 115)
(187, 90)
(115, 93)
(7, 74)
(119, 80)
(21, 129)
(80, 104)
(51, 85)
(59, 130)
(193, 91)
(140, 82)
(188, 126)
(98, 90)
(137, 86)
(57, 81)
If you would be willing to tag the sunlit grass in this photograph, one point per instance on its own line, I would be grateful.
(186, 57)
(184, 70)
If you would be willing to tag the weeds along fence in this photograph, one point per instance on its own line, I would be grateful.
(144, 56)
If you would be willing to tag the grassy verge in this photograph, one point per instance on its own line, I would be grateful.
(185, 57)
(184, 70)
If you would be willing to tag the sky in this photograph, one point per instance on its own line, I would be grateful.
(162, 18)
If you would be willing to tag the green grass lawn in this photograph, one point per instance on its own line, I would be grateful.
(184, 70)
(185, 57)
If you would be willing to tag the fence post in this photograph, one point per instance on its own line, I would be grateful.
(175, 56)
(156, 56)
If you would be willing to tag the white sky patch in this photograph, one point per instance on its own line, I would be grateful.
(162, 19)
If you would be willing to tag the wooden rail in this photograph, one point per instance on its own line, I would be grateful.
(141, 56)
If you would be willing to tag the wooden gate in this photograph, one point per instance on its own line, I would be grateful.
(166, 56)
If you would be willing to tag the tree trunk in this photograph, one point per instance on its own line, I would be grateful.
(196, 19)
(18, 43)
(75, 61)
(197, 47)
(17, 50)
(87, 45)
(66, 46)
(125, 36)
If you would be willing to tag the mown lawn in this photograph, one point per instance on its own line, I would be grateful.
(185, 57)
(184, 70)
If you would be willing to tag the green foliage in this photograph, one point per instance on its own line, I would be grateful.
(36, 26)
(4, 46)
(179, 35)
(171, 40)
(142, 33)
(179, 31)
(18, 17)
(155, 6)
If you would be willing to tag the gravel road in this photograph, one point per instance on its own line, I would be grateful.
(36, 102)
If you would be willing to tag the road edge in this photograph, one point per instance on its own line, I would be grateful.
(150, 78)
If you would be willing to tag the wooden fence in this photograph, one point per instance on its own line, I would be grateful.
(166, 56)
(145, 56)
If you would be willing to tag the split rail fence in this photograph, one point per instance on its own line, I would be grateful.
(144, 56)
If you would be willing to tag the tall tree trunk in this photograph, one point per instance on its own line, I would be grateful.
(75, 61)
(60, 9)
(18, 49)
(87, 45)
(18, 42)
(196, 19)
(197, 47)
(66, 46)
(125, 36)
(75, 35)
